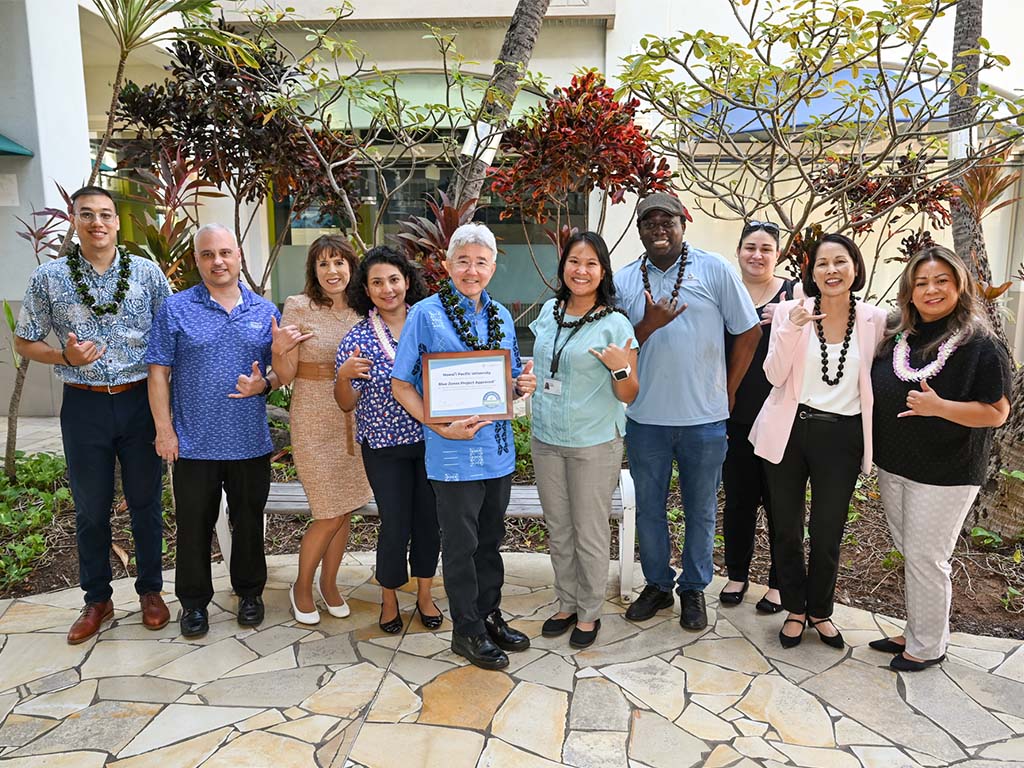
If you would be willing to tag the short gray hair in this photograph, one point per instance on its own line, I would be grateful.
(211, 227)
(472, 233)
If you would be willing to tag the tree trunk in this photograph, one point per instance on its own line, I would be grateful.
(1000, 505)
(501, 90)
(12, 420)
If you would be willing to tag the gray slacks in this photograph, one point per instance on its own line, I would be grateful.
(575, 486)
(924, 521)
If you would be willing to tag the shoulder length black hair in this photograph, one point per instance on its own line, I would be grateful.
(811, 288)
(359, 299)
(606, 288)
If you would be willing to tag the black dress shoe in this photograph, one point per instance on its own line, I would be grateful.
(581, 638)
(480, 650)
(764, 605)
(835, 641)
(693, 613)
(791, 642)
(885, 645)
(902, 664)
(554, 627)
(503, 635)
(431, 622)
(733, 598)
(250, 611)
(651, 601)
(194, 622)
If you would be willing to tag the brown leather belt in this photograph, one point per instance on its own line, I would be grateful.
(315, 371)
(107, 390)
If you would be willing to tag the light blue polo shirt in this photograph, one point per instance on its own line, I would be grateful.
(207, 348)
(491, 453)
(682, 365)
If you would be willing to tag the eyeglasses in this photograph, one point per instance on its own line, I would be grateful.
(768, 226)
(89, 216)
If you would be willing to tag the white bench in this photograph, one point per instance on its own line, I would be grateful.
(290, 499)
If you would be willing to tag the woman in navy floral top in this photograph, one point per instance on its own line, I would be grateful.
(391, 440)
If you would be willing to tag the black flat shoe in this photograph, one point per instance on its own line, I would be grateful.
(836, 641)
(733, 598)
(554, 627)
(480, 650)
(503, 635)
(430, 622)
(250, 611)
(786, 640)
(194, 622)
(584, 638)
(902, 664)
(885, 645)
(764, 605)
(392, 626)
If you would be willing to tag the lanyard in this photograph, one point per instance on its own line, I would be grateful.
(556, 351)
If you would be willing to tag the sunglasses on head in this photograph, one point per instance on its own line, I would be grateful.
(768, 226)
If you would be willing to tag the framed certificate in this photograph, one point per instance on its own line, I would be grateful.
(457, 385)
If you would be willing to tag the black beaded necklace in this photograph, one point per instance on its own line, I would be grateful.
(124, 271)
(558, 310)
(824, 346)
(457, 317)
(679, 278)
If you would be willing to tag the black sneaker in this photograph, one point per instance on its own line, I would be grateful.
(480, 650)
(503, 635)
(693, 614)
(651, 601)
(250, 611)
(194, 622)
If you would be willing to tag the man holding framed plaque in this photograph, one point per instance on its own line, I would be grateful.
(457, 370)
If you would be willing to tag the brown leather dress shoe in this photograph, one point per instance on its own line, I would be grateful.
(154, 612)
(89, 623)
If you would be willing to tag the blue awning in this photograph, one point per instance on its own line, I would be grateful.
(8, 147)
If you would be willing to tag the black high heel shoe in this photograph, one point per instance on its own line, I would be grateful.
(392, 627)
(836, 641)
(430, 622)
(786, 640)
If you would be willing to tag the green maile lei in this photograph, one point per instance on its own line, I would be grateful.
(457, 317)
(124, 271)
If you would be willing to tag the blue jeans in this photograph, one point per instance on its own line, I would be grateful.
(699, 450)
(96, 428)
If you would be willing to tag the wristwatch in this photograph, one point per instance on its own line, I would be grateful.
(623, 373)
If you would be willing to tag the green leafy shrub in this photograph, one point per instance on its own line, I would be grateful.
(521, 438)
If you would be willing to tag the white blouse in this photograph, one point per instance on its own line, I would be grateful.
(844, 397)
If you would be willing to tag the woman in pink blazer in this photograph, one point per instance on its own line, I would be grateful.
(816, 425)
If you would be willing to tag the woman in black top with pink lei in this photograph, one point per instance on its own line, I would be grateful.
(942, 384)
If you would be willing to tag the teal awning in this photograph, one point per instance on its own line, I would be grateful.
(8, 147)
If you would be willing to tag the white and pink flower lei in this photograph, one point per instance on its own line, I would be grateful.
(901, 359)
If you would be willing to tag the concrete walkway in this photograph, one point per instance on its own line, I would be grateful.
(36, 434)
(344, 694)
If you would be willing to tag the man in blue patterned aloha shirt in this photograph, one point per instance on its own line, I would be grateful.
(100, 301)
(215, 339)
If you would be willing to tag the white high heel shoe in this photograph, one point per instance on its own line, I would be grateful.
(312, 617)
(337, 611)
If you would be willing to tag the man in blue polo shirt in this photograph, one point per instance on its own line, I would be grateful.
(208, 354)
(679, 298)
(470, 461)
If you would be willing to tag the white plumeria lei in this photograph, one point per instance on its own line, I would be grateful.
(901, 358)
(380, 330)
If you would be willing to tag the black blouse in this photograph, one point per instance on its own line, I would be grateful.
(929, 449)
(754, 388)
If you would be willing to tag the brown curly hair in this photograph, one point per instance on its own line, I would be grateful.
(326, 245)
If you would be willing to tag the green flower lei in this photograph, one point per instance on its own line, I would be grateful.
(457, 317)
(124, 271)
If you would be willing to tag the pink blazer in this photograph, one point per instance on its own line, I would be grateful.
(784, 367)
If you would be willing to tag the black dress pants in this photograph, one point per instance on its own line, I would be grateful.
(828, 453)
(197, 491)
(746, 489)
(408, 513)
(472, 518)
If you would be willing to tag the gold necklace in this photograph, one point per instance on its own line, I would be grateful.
(761, 301)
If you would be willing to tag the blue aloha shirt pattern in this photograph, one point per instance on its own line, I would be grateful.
(52, 304)
(207, 348)
(381, 422)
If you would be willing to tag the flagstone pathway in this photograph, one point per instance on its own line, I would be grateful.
(344, 694)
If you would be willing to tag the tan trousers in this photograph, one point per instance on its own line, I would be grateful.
(575, 486)
(925, 521)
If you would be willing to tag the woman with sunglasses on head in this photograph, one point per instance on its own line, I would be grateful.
(743, 475)
(585, 356)
(816, 426)
(391, 440)
(942, 383)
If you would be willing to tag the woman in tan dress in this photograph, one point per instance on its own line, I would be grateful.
(323, 438)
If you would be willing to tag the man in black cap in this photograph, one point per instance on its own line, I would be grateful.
(679, 299)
